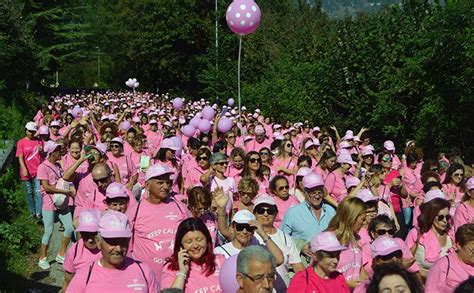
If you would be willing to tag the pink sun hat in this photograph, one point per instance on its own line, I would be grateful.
(114, 225)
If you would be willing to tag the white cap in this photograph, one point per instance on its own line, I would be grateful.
(243, 217)
(31, 126)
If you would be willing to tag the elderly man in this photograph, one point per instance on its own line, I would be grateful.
(155, 219)
(256, 270)
(114, 271)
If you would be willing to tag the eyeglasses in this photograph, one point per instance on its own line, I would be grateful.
(115, 146)
(290, 145)
(270, 210)
(101, 180)
(246, 194)
(286, 187)
(259, 278)
(382, 232)
(316, 193)
(204, 158)
(396, 254)
(222, 164)
(255, 160)
(241, 227)
(387, 159)
(231, 136)
(442, 217)
(374, 211)
(458, 175)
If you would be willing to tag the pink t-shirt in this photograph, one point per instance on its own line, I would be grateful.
(79, 256)
(50, 172)
(85, 189)
(464, 215)
(450, 190)
(210, 220)
(396, 199)
(335, 185)
(350, 262)
(31, 151)
(253, 145)
(194, 177)
(232, 171)
(131, 278)
(288, 163)
(283, 206)
(228, 184)
(154, 227)
(448, 273)
(430, 243)
(196, 281)
(125, 165)
(314, 283)
(318, 170)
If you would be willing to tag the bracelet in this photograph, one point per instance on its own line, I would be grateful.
(179, 274)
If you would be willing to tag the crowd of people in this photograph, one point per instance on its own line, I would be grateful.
(143, 206)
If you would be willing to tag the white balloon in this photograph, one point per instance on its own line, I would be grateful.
(135, 85)
(134, 80)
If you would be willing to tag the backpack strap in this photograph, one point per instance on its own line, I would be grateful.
(449, 266)
(133, 227)
(225, 250)
(90, 272)
(307, 277)
(143, 273)
(75, 251)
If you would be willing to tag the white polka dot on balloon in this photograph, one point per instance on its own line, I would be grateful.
(248, 15)
(237, 15)
(231, 22)
(251, 23)
(242, 22)
(230, 8)
(254, 8)
(243, 7)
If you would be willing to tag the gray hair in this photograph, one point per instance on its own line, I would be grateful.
(255, 253)
(216, 158)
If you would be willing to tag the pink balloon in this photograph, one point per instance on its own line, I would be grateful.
(177, 141)
(227, 275)
(231, 102)
(178, 103)
(224, 124)
(188, 130)
(204, 125)
(77, 112)
(243, 17)
(195, 122)
(125, 125)
(208, 113)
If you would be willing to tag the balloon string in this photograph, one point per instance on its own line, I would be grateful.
(238, 77)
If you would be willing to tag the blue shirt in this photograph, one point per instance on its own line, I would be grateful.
(301, 223)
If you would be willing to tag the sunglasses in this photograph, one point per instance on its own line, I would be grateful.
(261, 210)
(203, 158)
(231, 136)
(387, 159)
(115, 146)
(264, 154)
(458, 175)
(289, 145)
(240, 227)
(382, 232)
(286, 187)
(222, 164)
(255, 160)
(101, 180)
(442, 217)
(396, 254)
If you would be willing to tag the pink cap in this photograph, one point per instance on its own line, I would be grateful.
(432, 194)
(309, 144)
(43, 130)
(366, 195)
(312, 180)
(153, 121)
(356, 138)
(316, 128)
(264, 198)
(88, 221)
(352, 181)
(259, 129)
(101, 147)
(367, 152)
(115, 190)
(349, 135)
(117, 139)
(369, 147)
(384, 245)
(114, 225)
(247, 138)
(167, 124)
(276, 126)
(243, 217)
(470, 183)
(303, 171)
(168, 143)
(389, 145)
(326, 241)
(345, 158)
(50, 146)
(112, 117)
(55, 123)
(136, 119)
(156, 171)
